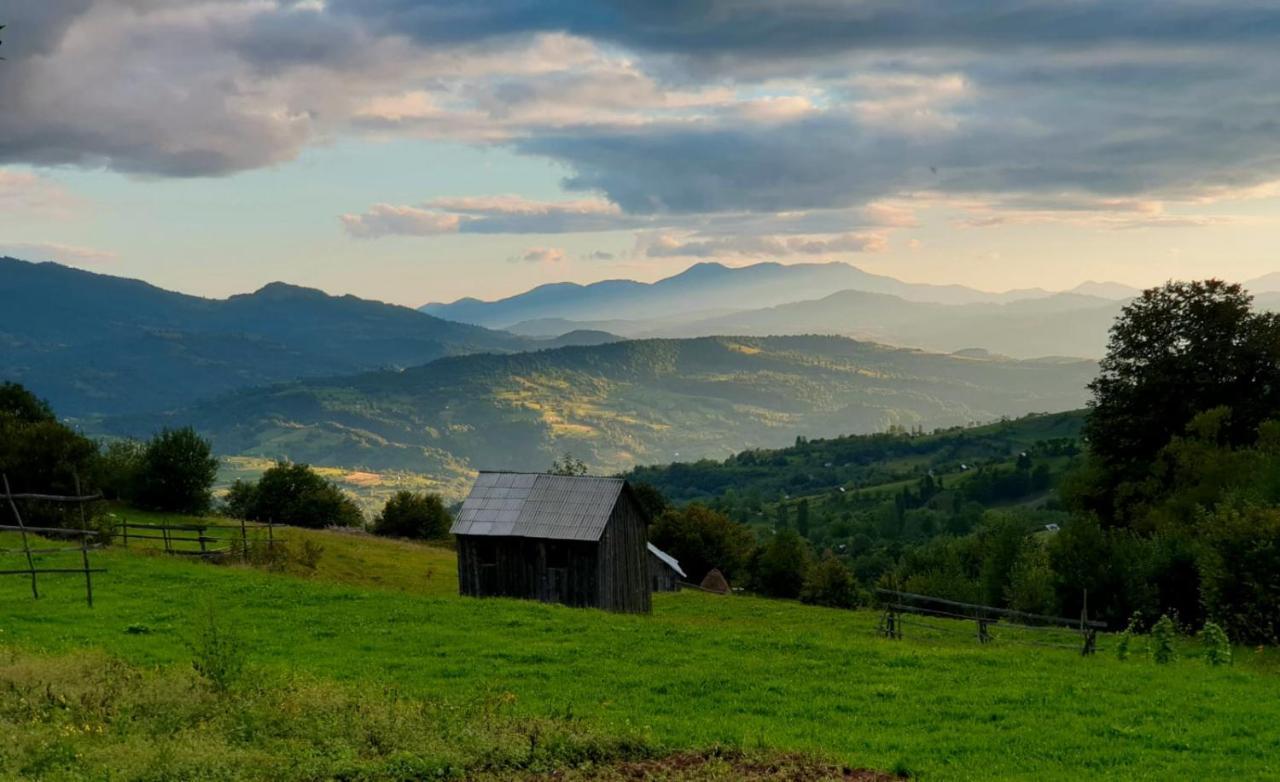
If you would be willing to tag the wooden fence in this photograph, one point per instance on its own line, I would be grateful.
(83, 535)
(898, 605)
(206, 540)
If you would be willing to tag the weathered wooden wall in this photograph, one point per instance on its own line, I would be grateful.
(661, 577)
(624, 566)
(553, 571)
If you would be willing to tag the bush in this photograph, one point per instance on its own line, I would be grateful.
(217, 653)
(294, 494)
(1126, 638)
(412, 515)
(1217, 647)
(177, 472)
(829, 583)
(1163, 634)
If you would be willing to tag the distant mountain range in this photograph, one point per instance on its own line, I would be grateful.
(94, 344)
(704, 286)
(620, 404)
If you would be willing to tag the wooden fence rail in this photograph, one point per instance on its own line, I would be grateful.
(174, 534)
(83, 534)
(896, 604)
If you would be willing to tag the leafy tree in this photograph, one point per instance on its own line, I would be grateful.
(1217, 647)
(1175, 351)
(1163, 634)
(297, 495)
(38, 453)
(829, 583)
(412, 515)
(650, 499)
(802, 518)
(1241, 560)
(177, 472)
(119, 469)
(568, 464)
(1031, 585)
(780, 566)
(702, 539)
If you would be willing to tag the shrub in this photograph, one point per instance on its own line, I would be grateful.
(1126, 638)
(177, 472)
(1217, 647)
(829, 583)
(1163, 634)
(217, 653)
(412, 515)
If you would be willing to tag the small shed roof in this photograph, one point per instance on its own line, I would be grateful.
(671, 561)
(537, 505)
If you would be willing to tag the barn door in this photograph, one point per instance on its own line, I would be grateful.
(555, 573)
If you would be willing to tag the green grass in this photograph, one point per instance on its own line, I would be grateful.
(702, 670)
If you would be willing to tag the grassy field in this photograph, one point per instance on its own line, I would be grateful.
(701, 671)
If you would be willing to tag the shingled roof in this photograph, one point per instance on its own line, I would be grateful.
(537, 505)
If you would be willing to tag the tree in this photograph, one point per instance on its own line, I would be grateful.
(829, 583)
(1241, 588)
(650, 499)
(412, 515)
(119, 469)
(568, 464)
(1175, 351)
(780, 566)
(802, 518)
(295, 494)
(38, 453)
(702, 539)
(177, 472)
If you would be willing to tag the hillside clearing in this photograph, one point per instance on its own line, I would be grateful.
(701, 671)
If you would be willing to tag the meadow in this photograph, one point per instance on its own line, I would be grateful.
(702, 671)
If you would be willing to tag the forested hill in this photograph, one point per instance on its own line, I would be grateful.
(855, 461)
(96, 344)
(616, 405)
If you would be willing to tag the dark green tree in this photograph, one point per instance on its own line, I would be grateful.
(802, 518)
(38, 453)
(702, 539)
(568, 464)
(407, 514)
(829, 583)
(177, 472)
(297, 495)
(1174, 352)
(781, 565)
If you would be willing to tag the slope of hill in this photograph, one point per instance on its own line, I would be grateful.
(855, 462)
(704, 286)
(623, 403)
(354, 680)
(1063, 324)
(96, 344)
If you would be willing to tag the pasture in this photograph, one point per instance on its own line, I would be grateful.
(701, 671)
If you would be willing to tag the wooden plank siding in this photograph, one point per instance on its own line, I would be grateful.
(661, 577)
(624, 565)
(612, 573)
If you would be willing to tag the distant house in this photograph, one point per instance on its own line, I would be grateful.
(576, 540)
(665, 574)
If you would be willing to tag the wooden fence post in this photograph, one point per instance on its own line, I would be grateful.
(244, 542)
(26, 546)
(84, 545)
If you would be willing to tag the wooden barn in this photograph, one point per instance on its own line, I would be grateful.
(577, 540)
(665, 574)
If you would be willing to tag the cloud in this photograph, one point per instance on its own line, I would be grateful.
(389, 220)
(26, 194)
(58, 253)
(599, 255)
(541, 255)
(677, 117)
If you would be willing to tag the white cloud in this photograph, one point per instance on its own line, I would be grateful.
(388, 220)
(545, 255)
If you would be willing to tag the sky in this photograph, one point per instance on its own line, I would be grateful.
(424, 150)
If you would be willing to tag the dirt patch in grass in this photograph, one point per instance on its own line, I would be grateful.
(718, 766)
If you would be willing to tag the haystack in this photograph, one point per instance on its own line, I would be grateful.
(716, 582)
